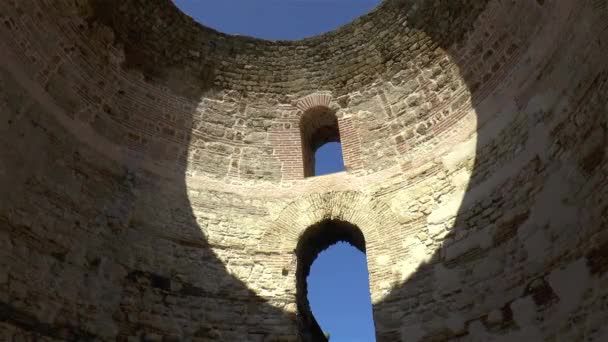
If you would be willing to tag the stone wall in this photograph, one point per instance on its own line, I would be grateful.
(153, 176)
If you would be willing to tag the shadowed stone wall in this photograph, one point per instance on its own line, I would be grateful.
(153, 182)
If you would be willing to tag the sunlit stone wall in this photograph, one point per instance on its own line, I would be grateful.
(153, 182)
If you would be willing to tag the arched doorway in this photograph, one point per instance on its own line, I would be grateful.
(316, 239)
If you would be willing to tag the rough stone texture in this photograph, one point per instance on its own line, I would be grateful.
(153, 183)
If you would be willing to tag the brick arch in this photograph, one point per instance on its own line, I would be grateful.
(322, 107)
(353, 211)
(314, 100)
(356, 208)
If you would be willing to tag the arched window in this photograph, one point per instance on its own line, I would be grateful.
(333, 249)
(318, 127)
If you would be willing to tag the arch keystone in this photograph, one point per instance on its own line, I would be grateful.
(314, 100)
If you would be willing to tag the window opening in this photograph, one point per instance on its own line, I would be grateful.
(319, 127)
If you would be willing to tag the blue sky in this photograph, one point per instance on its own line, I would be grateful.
(338, 292)
(275, 19)
(338, 285)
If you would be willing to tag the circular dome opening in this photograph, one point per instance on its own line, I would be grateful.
(274, 19)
